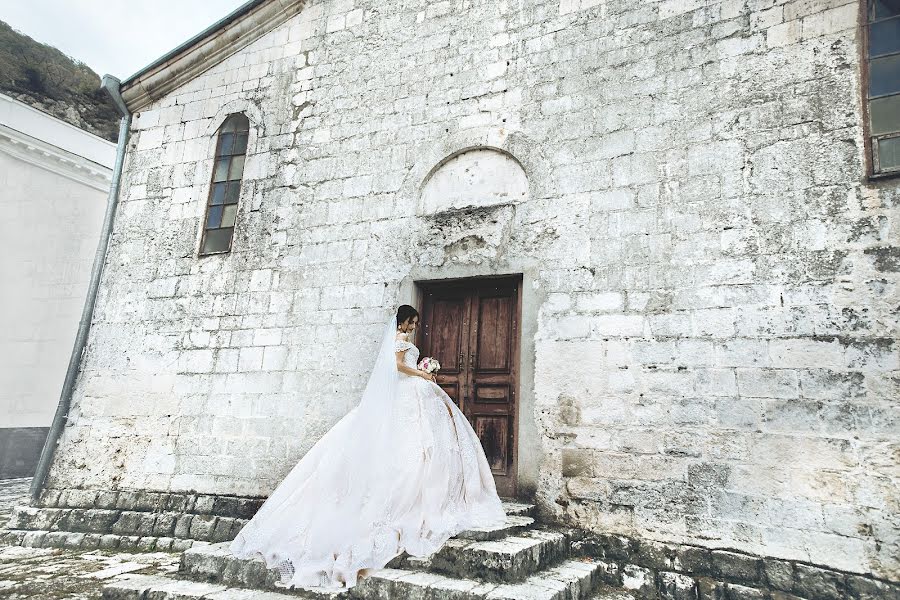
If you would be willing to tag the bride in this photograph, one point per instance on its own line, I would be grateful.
(403, 470)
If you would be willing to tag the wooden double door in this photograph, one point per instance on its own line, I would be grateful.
(472, 327)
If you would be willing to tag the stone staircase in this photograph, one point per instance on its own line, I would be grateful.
(523, 560)
(127, 520)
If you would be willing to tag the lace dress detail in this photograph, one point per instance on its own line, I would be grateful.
(401, 345)
(445, 486)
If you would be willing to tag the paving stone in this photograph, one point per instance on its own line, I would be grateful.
(56, 574)
(179, 589)
(132, 587)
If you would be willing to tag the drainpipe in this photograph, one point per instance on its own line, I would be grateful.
(111, 85)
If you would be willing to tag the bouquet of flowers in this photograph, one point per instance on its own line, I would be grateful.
(429, 364)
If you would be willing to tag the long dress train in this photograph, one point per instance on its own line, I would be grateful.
(319, 530)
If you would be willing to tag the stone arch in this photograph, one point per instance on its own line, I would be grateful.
(257, 130)
(478, 177)
(514, 150)
(238, 105)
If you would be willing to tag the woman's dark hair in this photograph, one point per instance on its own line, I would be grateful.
(405, 312)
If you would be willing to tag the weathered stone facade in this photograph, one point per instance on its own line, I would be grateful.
(712, 280)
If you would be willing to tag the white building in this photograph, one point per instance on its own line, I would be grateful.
(55, 179)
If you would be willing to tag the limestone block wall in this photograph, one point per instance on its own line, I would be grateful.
(715, 347)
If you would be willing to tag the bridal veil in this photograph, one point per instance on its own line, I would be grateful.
(343, 498)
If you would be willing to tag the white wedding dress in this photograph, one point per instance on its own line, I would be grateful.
(403, 470)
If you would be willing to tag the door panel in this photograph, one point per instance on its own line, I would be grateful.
(486, 393)
(493, 335)
(493, 433)
(445, 331)
(490, 403)
(447, 328)
(471, 327)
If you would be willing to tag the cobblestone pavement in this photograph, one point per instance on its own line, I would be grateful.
(54, 574)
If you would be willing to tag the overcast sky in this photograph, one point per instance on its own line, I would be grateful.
(118, 37)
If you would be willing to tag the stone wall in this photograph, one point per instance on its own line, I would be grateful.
(715, 357)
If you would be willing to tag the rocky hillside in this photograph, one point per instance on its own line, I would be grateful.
(45, 78)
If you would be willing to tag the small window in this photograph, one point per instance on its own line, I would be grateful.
(882, 55)
(225, 187)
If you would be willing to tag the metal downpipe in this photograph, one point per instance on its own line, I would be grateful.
(111, 85)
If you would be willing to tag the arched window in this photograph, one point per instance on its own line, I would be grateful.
(225, 189)
(882, 79)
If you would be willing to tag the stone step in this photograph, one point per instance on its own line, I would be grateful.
(605, 592)
(145, 587)
(569, 580)
(42, 538)
(517, 508)
(92, 541)
(514, 524)
(191, 526)
(214, 563)
(510, 559)
(524, 555)
(210, 528)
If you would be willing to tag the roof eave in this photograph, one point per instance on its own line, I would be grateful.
(243, 26)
